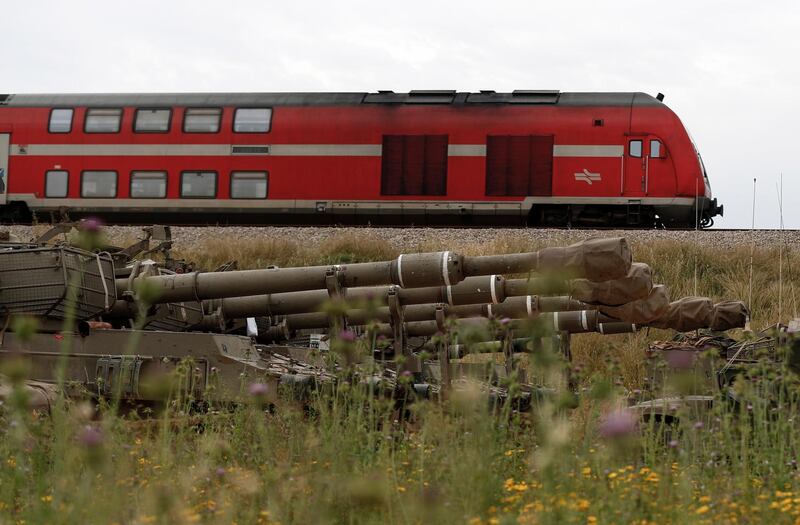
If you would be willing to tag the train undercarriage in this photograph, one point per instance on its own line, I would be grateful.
(586, 216)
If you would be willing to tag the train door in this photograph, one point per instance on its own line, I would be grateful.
(634, 177)
(4, 143)
(659, 174)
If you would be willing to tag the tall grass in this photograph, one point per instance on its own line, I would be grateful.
(348, 456)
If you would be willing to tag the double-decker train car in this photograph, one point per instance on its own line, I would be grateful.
(541, 158)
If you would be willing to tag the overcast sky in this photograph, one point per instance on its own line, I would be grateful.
(729, 69)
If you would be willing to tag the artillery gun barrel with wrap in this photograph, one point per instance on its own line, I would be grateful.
(486, 289)
(594, 259)
(686, 314)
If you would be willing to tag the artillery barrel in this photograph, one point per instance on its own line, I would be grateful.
(486, 289)
(595, 259)
(577, 322)
(513, 307)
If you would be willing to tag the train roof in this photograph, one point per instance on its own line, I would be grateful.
(524, 97)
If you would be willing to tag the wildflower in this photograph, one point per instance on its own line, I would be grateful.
(618, 424)
(91, 225)
(90, 437)
(258, 390)
(698, 425)
(673, 444)
(347, 336)
(703, 509)
(505, 320)
(220, 472)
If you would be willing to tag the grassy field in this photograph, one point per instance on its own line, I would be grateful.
(347, 458)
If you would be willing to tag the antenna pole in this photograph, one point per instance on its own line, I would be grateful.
(752, 248)
(780, 251)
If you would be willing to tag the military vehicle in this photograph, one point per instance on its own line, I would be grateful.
(112, 323)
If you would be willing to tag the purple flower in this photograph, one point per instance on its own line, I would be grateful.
(90, 437)
(91, 225)
(347, 335)
(618, 424)
(505, 321)
(673, 444)
(258, 390)
(698, 425)
(406, 373)
(220, 472)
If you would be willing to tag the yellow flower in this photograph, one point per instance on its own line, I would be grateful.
(591, 520)
(582, 505)
(586, 471)
(47, 499)
(401, 488)
(703, 509)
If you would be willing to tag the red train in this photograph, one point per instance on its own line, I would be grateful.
(424, 157)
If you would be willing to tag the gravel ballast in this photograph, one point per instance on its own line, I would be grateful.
(410, 239)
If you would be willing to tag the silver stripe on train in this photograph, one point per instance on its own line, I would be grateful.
(332, 206)
(273, 150)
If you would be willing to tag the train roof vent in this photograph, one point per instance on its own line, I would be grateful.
(4, 99)
(419, 96)
(519, 96)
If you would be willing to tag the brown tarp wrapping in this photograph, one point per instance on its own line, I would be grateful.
(634, 286)
(689, 313)
(641, 311)
(595, 259)
(728, 315)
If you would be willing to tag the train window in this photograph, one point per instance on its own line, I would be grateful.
(414, 165)
(56, 183)
(248, 185)
(656, 150)
(99, 184)
(152, 120)
(636, 148)
(252, 120)
(201, 120)
(102, 120)
(148, 184)
(199, 184)
(60, 120)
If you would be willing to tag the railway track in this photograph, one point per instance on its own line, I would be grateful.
(411, 239)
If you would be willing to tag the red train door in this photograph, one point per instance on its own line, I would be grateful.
(4, 142)
(635, 167)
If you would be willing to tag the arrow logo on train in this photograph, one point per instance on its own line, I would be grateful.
(588, 177)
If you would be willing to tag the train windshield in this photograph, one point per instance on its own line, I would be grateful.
(700, 159)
